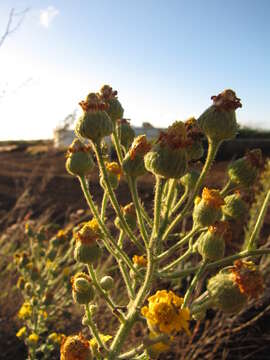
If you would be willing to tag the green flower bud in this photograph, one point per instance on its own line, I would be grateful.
(133, 163)
(109, 96)
(168, 158)
(218, 122)
(114, 172)
(126, 133)
(211, 244)
(79, 161)
(194, 148)
(235, 207)
(207, 210)
(107, 283)
(95, 123)
(165, 162)
(225, 293)
(87, 254)
(87, 250)
(82, 289)
(244, 171)
(190, 179)
(195, 151)
(129, 215)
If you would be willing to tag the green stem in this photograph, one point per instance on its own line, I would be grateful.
(127, 280)
(157, 205)
(135, 198)
(104, 205)
(93, 328)
(103, 228)
(168, 203)
(117, 146)
(105, 296)
(181, 242)
(180, 201)
(254, 236)
(178, 260)
(140, 298)
(193, 284)
(223, 262)
(212, 151)
(226, 188)
(112, 196)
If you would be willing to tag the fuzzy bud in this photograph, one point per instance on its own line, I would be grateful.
(133, 163)
(95, 123)
(218, 122)
(195, 148)
(107, 283)
(234, 208)
(114, 109)
(225, 293)
(207, 210)
(244, 171)
(190, 179)
(87, 250)
(129, 215)
(114, 172)
(79, 161)
(82, 289)
(211, 244)
(126, 133)
(168, 158)
(75, 347)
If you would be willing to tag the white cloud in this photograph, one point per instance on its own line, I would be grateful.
(47, 16)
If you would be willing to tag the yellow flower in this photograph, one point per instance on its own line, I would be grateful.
(248, 278)
(25, 310)
(212, 198)
(33, 338)
(160, 346)
(21, 332)
(56, 338)
(139, 260)
(104, 338)
(164, 313)
(43, 314)
(89, 233)
(75, 347)
(49, 264)
(114, 168)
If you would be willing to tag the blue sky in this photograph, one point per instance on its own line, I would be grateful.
(165, 58)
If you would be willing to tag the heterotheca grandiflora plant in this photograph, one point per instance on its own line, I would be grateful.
(161, 254)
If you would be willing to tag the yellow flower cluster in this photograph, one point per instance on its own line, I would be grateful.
(115, 168)
(75, 347)
(212, 197)
(43, 314)
(89, 232)
(25, 311)
(104, 339)
(33, 338)
(139, 260)
(56, 338)
(21, 332)
(164, 313)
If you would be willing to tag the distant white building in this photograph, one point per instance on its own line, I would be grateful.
(63, 137)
